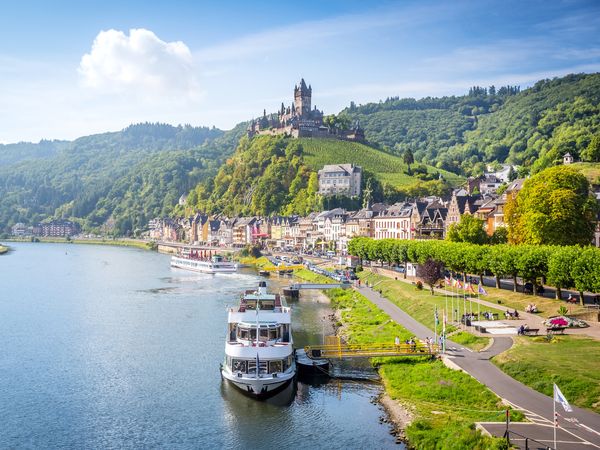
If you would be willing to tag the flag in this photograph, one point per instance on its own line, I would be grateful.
(454, 282)
(446, 280)
(435, 315)
(467, 286)
(471, 288)
(481, 290)
(459, 284)
(560, 398)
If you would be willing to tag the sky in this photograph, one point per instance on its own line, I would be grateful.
(69, 69)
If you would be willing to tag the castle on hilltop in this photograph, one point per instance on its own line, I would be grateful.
(299, 120)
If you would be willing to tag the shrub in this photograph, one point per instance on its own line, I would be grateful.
(419, 285)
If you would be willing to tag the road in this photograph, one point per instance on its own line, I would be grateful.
(536, 406)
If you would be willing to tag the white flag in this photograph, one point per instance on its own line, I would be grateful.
(560, 398)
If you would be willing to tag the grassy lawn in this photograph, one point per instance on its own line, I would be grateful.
(445, 403)
(313, 277)
(572, 362)
(515, 300)
(261, 262)
(475, 343)
(421, 305)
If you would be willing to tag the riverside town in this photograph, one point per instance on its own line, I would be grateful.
(193, 254)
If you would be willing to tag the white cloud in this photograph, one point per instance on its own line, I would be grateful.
(139, 62)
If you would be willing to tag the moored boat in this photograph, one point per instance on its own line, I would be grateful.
(213, 264)
(259, 351)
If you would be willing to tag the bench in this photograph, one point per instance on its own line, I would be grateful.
(555, 330)
(530, 331)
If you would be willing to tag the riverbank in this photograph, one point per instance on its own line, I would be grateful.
(114, 242)
(435, 406)
(422, 306)
(444, 403)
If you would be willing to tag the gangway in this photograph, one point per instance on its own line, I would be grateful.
(335, 349)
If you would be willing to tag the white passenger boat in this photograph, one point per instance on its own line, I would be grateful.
(259, 351)
(214, 264)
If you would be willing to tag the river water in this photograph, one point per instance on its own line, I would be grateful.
(105, 347)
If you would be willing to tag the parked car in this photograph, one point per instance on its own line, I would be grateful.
(400, 269)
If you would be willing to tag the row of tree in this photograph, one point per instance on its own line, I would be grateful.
(563, 267)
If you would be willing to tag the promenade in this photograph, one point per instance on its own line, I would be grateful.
(578, 430)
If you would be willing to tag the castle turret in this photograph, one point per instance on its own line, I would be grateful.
(302, 99)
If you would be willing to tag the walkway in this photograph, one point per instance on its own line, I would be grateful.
(536, 406)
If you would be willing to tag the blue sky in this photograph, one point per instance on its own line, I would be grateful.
(74, 68)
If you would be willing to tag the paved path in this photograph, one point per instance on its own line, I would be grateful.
(535, 405)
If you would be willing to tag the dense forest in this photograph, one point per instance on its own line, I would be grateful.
(117, 180)
(533, 127)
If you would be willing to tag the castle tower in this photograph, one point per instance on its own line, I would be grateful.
(302, 97)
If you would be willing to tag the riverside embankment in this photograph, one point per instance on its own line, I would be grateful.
(443, 404)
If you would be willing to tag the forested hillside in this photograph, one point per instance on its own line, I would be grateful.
(119, 179)
(276, 175)
(533, 127)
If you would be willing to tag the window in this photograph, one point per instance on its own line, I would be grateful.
(239, 365)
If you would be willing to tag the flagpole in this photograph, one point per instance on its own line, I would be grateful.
(435, 321)
(444, 319)
(554, 410)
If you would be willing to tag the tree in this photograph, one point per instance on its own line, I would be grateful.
(500, 236)
(592, 151)
(409, 158)
(554, 207)
(585, 273)
(469, 229)
(560, 263)
(532, 263)
(430, 272)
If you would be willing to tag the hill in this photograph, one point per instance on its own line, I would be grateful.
(119, 179)
(533, 127)
(590, 170)
(386, 167)
(276, 175)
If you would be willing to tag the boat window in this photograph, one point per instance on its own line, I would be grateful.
(244, 333)
(239, 365)
(264, 333)
(253, 333)
(273, 334)
(275, 366)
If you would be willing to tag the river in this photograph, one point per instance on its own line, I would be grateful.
(107, 347)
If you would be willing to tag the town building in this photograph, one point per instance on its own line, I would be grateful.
(340, 179)
(57, 228)
(395, 222)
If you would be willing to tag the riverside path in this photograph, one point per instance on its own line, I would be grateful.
(581, 431)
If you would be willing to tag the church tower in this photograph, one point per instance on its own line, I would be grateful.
(302, 97)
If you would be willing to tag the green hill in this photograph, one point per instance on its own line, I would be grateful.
(276, 175)
(122, 179)
(387, 168)
(590, 170)
(533, 127)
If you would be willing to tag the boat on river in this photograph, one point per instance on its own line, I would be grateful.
(259, 350)
(212, 264)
